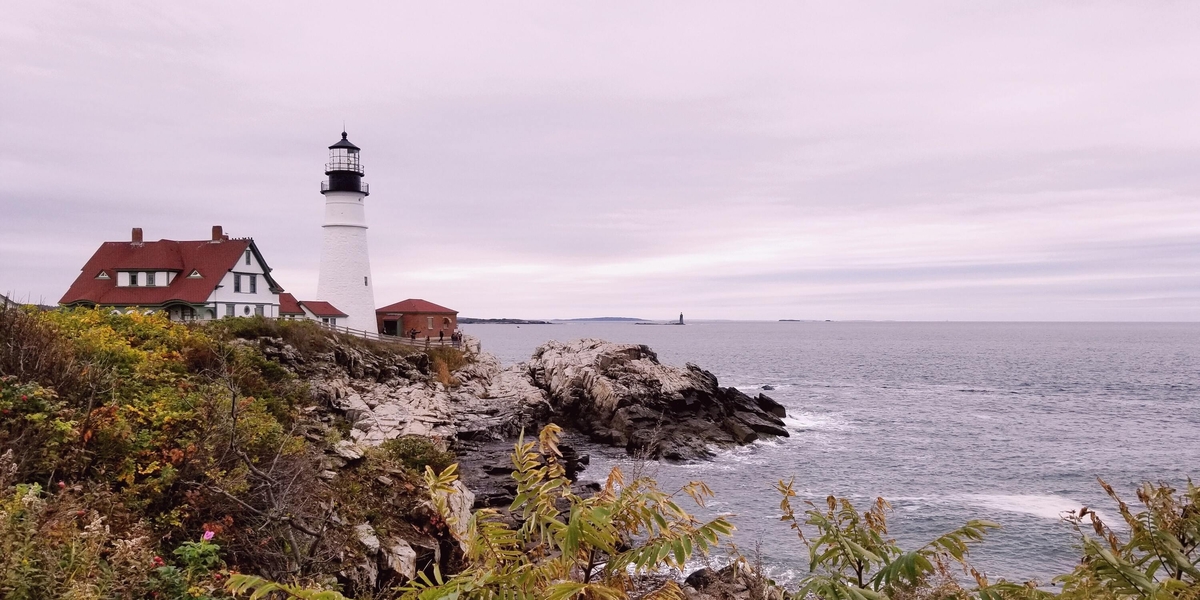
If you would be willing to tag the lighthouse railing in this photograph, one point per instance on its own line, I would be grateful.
(363, 187)
(394, 339)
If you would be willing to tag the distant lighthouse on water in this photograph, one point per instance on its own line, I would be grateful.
(345, 278)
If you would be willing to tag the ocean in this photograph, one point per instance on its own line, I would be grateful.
(1010, 422)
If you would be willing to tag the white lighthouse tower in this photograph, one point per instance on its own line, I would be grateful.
(345, 278)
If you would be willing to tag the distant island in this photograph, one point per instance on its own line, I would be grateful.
(473, 321)
(597, 319)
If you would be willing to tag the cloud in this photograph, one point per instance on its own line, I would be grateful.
(929, 161)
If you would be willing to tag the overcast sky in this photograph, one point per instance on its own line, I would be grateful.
(885, 160)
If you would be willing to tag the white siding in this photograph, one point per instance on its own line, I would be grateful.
(244, 300)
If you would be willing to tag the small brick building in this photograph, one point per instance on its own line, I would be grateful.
(427, 318)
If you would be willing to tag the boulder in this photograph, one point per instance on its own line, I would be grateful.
(400, 558)
(366, 536)
(459, 501)
(621, 394)
(347, 450)
(734, 582)
(769, 404)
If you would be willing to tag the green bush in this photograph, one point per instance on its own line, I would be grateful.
(417, 452)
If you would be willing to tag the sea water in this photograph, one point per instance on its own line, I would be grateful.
(1010, 422)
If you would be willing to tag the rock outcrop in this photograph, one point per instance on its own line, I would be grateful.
(385, 397)
(616, 394)
(620, 394)
(734, 582)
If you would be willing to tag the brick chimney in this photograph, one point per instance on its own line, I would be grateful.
(218, 234)
(137, 235)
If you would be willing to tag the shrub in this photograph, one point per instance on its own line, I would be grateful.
(305, 335)
(417, 452)
(1159, 557)
(184, 429)
(453, 358)
(445, 361)
(53, 546)
(567, 546)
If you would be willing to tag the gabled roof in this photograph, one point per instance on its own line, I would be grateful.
(322, 309)
(415, 305)
(288, 305)
(211, 259)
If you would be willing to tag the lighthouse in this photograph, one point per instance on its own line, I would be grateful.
(345, 278)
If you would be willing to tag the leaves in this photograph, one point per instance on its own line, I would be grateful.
(568, 546)
(259, 588)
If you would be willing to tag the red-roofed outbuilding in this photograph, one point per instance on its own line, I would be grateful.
(426, 318)
(317, 310)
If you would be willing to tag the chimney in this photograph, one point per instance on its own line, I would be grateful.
(218, 235)
(137, 235)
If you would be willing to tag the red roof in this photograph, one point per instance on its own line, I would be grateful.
(415, 305)
(322, 309)
(208, 258)
(288, 305)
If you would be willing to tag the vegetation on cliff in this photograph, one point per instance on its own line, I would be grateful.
(141, 458)
(125, 438)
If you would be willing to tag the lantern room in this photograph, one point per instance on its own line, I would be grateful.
(344, 169)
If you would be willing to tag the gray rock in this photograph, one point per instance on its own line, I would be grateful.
(769, 404)
(366, 536)
(400, 557)
(742, 432)
(620, 393)
(348, 450)
(459, 500)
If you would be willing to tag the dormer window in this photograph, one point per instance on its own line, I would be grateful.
(103, 275)
(194, 274)
(150, 279)
(133, 279)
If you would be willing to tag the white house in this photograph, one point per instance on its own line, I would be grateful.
(206, 279)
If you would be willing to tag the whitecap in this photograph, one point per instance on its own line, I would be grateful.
(1047, 506)
(810, 421)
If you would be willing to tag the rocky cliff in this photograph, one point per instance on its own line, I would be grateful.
(617, 394)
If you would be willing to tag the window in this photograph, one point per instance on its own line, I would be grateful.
(246, 310)
(333, 321)
(133, 279)
(325, 320)
(194, 274)
(229, 310)
(150, 279)
(258, 310)
(247, 256)
(254, 284)
(364, 281)
(237, 283)
(429, 320)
